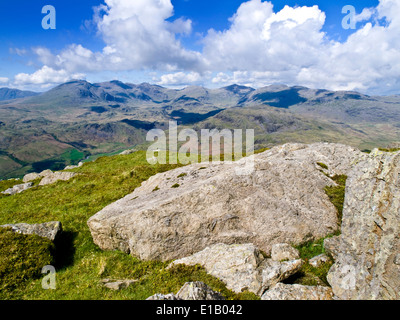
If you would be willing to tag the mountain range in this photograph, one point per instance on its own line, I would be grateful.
(78, 119)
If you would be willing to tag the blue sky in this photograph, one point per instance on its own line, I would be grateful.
(202, 42)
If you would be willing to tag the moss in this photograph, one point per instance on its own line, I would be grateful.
(322, 165)
(22, 257)
(176, 185)
(261, 150)
(389, 149)
(308, 275)
(336, 195)
(156, 189)
(182, 175)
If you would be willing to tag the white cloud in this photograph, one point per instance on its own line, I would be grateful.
(45, 76)
(180, 79)
(260, 47)
(4, 80)
(289, 46)
(137, 36)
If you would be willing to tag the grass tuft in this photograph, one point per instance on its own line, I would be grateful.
(22, 258)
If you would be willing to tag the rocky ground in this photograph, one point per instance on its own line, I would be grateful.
(241, 222)
(213, 216)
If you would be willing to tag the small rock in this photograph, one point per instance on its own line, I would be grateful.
(80, 164)
(397, 260)
(318, 261)
(30, 177)
(159, 296)
(297, 292)
(49, 230)
(117, 284)
(18, 188)
(126, 152)
(283, 251)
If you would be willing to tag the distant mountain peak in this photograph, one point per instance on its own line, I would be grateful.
(235, 88)
(12, 94)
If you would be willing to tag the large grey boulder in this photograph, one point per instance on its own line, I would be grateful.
(242, 267)
(49, 230)
(367, 264)
(297, 292)
(180, 212)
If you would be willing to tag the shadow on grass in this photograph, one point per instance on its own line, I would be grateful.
(65, 250)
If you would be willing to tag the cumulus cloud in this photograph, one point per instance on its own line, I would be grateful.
(4, 80)
(260, 47)
(137, 36)
(289, 46)
(180, 79)
(45, 76)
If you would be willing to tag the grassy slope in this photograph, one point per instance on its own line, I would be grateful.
(80, 264)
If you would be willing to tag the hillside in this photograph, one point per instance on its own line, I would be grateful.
(79, 117)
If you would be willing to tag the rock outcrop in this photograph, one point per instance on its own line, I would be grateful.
(56, 176)
(117, 285)
(49, 177)
(80, 164)
(183, 211)
(31, 177)
(297, 292)
(367, 263)
(18, 188)
(49, 230)
(242, 267)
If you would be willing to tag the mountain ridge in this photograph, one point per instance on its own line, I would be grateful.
(107, 117)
